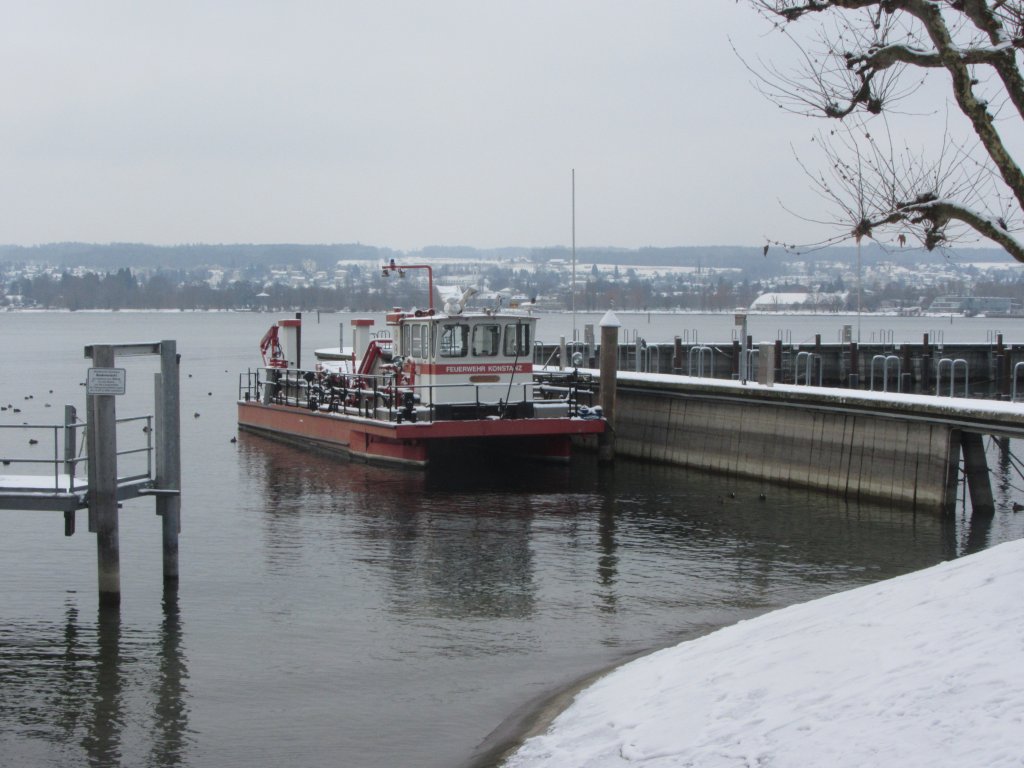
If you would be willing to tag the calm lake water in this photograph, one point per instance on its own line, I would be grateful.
(332, 613)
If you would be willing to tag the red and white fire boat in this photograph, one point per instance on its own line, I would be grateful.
(451, 381)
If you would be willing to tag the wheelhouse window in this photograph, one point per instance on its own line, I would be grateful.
(517, 339)
(454, 341)
(419, 341)
(486, 340)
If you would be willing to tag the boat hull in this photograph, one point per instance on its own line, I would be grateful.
(412, 444)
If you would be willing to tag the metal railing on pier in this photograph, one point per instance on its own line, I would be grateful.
(63, 482)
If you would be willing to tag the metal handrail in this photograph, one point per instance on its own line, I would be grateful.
(753, 358)
(699, 351)
(809, 360)
(69, 462)
(886, 360)
(884, 336)
(952, 365)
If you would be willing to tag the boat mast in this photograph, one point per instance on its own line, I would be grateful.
(573, 286)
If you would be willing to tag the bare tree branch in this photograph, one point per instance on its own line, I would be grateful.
(881, 44)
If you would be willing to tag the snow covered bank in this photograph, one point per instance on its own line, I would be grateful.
(923, 670)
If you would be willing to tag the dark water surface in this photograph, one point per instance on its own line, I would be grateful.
(332, 613)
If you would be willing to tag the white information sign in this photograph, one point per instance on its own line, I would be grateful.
(105, 381)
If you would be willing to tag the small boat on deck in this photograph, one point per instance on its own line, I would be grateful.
(432, 382)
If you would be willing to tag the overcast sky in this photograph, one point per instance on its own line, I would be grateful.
(399, 123)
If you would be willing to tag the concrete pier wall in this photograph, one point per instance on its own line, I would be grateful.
(774, 437)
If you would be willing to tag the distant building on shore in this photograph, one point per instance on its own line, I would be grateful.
(789, 301)
(969, 306)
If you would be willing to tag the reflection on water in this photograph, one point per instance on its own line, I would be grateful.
(342, 613)
(94, 692)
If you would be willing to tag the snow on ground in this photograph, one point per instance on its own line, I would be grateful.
(922, 670)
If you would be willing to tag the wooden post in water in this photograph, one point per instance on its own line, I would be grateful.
(907, 370)
(926, 364)
(102, 432)
(976, 469)
(1002, 369)
(168, 456)
(609, 349)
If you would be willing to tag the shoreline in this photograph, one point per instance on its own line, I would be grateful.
(536, 715)
(872, 675)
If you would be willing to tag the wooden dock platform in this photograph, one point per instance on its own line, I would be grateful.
(62, 492)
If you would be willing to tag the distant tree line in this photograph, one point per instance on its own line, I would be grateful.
(365, 290)
(755, 263)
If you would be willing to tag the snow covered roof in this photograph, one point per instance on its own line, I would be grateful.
(772, 300)
(779, 299)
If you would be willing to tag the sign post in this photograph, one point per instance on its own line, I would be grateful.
(105, 381)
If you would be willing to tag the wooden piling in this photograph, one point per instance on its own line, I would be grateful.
(976, 469)
(102, 435)
(926, 364)
(168, 456)
(1002, 369)
(609, 348)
